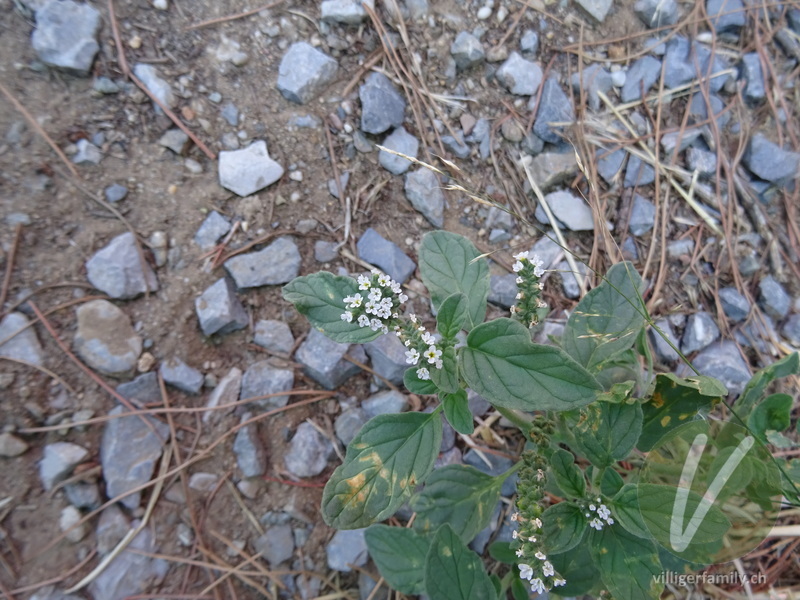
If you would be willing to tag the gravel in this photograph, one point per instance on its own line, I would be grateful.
(591, 80)
(385, 403)
(723, 361)
(120, 271)
(175, 140)
(250, 454)
(213, 228)
(304, 72)
(554, 107)
(638, 173)
(348, 424)
(66, 36)
(325, 252)
(424, 192)
(115, 193)
(276, 264)
(387, 354)
(643, 213)
(323, 359)
(219, 310)
(755, 90)
(642, 74)
(519, 76)
(24, 345)
(58, 461)
(246, 171)
(657, 13)
(261, 379)
(276, 545)
(503, 290)
(162, 90)
(349, 12)
(529, 42)
(791, 330)
(700, 331)
(382, 106)
(11, 445)
(105, 339)
(609, 163)
(386, 255)
(399, 141)
(274, 335)
(570, 210)
(226, 392)
(663, 350)
(735, 306)
(308, 452)
(597, 9)
(348, 547)
(180, 375)
(87, 154)
(769, 161)
(550, 169)
(773, 299)
(726, 15)
(467, 51)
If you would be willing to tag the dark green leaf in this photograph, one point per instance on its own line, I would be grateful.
(625, 509)
(788, 365)
(415, 385)
(563, 525)
(568, 476)
(452, 315)
(453, 571)
(399, 554)
(319, 297)
(607, 432)
(456, 409)
(388, 458)
(619, 392)
(497, 584)
(628, 565)
(446, 378)
(576, 567)
(607, 320)
(459, 495)
(502, 364)
(519, 589)
(503, 552)
(611, 483)
(676, 401)
(445, 262)
(772, 413)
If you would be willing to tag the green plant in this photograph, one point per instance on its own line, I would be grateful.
(591, 513)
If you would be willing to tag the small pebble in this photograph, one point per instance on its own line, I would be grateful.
(484, 13)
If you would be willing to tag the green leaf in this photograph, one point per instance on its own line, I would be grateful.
(577, 568)
(611, 483)
(568, 476)
(502, 364)
(415, 385)
(503, 552)
(519, 589)
(445, 262)
(676, 401)
(319, 297)
(772, 413)
(607, 432)
(456, 409)
(628, 564)
(452, 315)
(788, 365)
(459, 495)
(388, 458)
(446, 378)
(607, 320)
(399, 553)
(625, 509)
(563, 526)
(619, 392)
(453, 571)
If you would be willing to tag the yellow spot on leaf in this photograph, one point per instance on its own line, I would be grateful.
(447, 551)
(665, 420)
(657, 400)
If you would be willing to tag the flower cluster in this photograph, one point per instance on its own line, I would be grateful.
(603, 515)
(530, 306)
(421, 346)
(377, 307)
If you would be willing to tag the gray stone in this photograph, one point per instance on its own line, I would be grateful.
(643, 215)
(276, 545)
(277, 263)
(213, 228)
(111, 528)
(529, 42)
(618, 78)
(726, 15)
(657, 13)
(203, 482)
(698, 109)
(773, 299)
(175, 140)
(512, 130)
(417, 9)
(250, 454)
(142, 390)
(755, 90)
(503, 290)
(456, 145)
(387, 354)
(700, 331)
(69, 523)
(347, 547)
(348, 424)
(24, 345)
(382, 106)
(424, 192)
(308, 453)
(385, 403)
(609, 163)
(115, 192)
(119, 270)
(230, 113)
(467, 50)
(677, 248)
(274, 335)
(735, 306)
(344, 179)
(643, 73)
(547, 249)
(497, 466)
(87, 154)
(66, 36)
(759, 333)
(246, 171)
(498, 217)
(104, 85)
(399, 141)
(498, 236)
(568, 281)
(770, 162)
(350, 12)
(325, 252)
(791, 330)
(132, 572)
(262, 379)
(50, 593)
(180, 375)
(83, 494)
(591, 80)
(361, 143)
(105, 339)
(702, 161)
(711, 64)
(219, 310)
(598, 9)
(129, 451)
(58, 461)
(570, 210)
(638, 173)
(386, 255)
(304, 71)
(681, 141)
(663, 350)
(554, 107)
(226, 392)
(11, 446)
(679, 65)
(723, 361)
(550, 169)
(520, 76)
(149, 76)
(323, 359)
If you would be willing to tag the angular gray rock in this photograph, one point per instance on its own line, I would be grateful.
(348, 547)
(24, 345)
(348, 424)
(246, 171)
(118, 269)
(180, 375)
(638, 173)
(643, 215)
(325, 252)
(385, 255)
(387, 354)
(503, 290)
(424, 192)
(609, 163)
(213, 228)
(698, 109)
(550, 169)
(662, 349)
(592, 79)
(87, 154)
(382, 106)
(261, 379)
(111, 528)
(58, 461)
(105, 339)
(755, 90)
(276, 545)
(115, 192)
(726, 15)
(598, 9)
(350, 12)
(519, 76)
(219, 309)
(274, 335)
(277, 263)
(467, 50)
(384, 403)
(759, 333)
(771, 162)
(657, 13)
(304, 71)
(456, 145)
(323, 361)
(791, 330)
(308, 453)
(11, 446)
(529, 42)
(250, 454)
(174, 139)
(679, 67)
(773, 299)
(571, 210)
(735, 306)
(702, 161)
(700, 331)
(670, 141)
(129, 451)
(399, 141)
(162, 90)
(568, 281)
(66, 35)
(83, 494)
(554, 107)
(642, 74)
(723, 361)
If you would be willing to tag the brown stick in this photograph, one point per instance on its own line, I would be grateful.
(9, 266)
(246, 13)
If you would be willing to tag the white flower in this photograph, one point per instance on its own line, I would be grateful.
(363, 321)
(547, 569)
(537, 585)
(412, 317)
(532, 539)
(375, 324)
(519, 280)
(538, 263)
(363, 282)
(347, 316)
(375, 294)
(610, 521)
(412, 357)
(384, 280)
(428, 339)
(596, 523)
(438, 364)
(521, 255)
(537, 523)
(559, 582)
(514, 534)
(423, 374)
(402, 298)
(540, 555)
(525, 571)
(515, 516)
(353, 301)
(407, 343)
(539, 474)
(519, 553)
(603, 512)
(599, 499)
(518, 266)
(593, 508)
(432, 354)
(370, 307)
(395, 286)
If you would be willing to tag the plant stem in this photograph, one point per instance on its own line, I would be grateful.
(516, 418)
